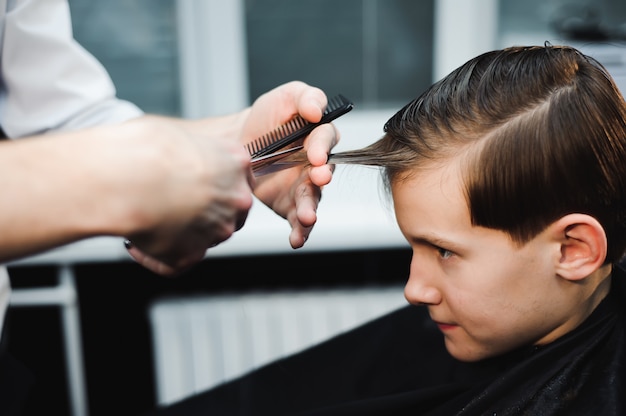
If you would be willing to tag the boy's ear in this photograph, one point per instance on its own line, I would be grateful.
(583, 245)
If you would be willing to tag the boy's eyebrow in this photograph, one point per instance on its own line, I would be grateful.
(434, 240)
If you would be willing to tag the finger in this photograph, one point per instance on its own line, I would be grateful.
(298, 236)
(321, 175)
(151, 263)
(304, 217)
(318, 146)
(310, 101)
(320, 142)
(161, 267)
(299, 231)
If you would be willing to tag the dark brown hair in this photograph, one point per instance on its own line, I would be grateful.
(542, 130)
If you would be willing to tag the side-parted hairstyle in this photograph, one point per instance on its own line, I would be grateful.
(542, 131)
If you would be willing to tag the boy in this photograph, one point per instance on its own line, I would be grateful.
(508, 179)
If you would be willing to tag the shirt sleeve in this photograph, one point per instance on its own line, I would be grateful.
(49, 81)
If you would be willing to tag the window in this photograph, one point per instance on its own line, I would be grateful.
(137, 43)
(377, 52)
(199, 57)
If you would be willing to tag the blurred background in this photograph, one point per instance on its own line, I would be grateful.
(119, 340)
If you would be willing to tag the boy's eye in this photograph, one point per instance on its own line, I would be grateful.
(443, 253)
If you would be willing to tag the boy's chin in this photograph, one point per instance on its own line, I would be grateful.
(467, 353)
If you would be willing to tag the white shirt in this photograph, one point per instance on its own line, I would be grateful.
(48, 82)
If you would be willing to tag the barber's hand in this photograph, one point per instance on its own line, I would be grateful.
(194, 195)
(205, 193)
(294, 193)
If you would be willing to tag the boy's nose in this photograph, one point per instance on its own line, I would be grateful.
(418, 291)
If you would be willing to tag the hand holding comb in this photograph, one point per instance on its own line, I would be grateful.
(268, 150)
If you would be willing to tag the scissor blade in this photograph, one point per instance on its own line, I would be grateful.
(294, 157)
(278, 161)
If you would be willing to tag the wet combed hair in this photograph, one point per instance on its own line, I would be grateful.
(542, 131)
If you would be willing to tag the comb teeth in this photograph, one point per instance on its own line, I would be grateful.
(335, 103)
(276, 135)
(297, 128)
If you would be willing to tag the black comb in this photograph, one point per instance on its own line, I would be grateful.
(297, 128)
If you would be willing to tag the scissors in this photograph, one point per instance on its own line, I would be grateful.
(280, 149)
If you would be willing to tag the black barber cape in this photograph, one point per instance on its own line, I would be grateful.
(398, 365)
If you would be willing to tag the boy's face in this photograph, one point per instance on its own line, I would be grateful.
(486, 294)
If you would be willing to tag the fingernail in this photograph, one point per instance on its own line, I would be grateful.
(127, 244)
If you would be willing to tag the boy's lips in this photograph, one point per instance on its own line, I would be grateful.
(445, 326)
